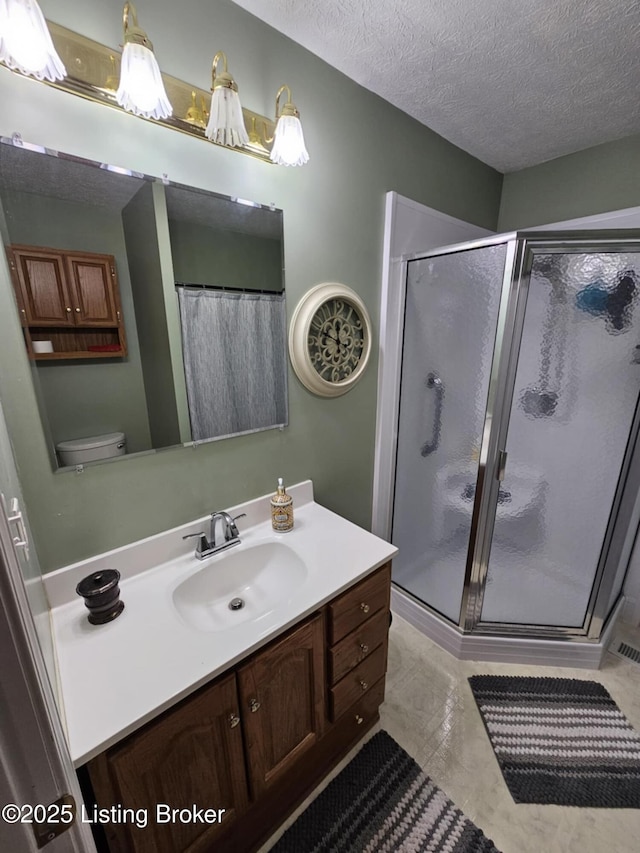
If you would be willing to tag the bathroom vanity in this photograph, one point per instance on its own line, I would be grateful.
(237, 714)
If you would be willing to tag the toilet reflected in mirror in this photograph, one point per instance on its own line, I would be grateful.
(93, 448)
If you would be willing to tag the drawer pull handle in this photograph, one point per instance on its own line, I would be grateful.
(359, 719)
(364, 607)
(254, 705)
(234, 719)
(364, 648)
(77, 310)
(364, 685)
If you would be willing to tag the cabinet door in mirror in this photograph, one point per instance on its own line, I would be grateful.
(188, 279)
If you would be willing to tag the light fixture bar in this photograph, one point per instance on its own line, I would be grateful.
(93, 70)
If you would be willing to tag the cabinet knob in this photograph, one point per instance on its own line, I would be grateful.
(359, 719)
(254, 705)
(364, 648)
(77, 310)
(364, 685)
(364, 607)
(234, 719)
(68, 310)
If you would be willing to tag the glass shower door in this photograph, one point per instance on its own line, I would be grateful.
(451, 315)
(574, 400)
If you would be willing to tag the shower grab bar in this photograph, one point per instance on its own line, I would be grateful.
(434, 381)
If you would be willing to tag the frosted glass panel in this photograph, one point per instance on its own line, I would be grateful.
(576, 390)
(450, 324)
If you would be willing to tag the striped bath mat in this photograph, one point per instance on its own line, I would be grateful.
(382, 802)
(560, 740)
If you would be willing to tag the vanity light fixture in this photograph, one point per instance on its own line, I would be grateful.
(196, 115)
(288, 145)
(141, 90)
(226, 122)
(95, 71)
(25, 41)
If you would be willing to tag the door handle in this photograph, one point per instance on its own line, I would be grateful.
(434, 381)
(21, 540)
(502, 464)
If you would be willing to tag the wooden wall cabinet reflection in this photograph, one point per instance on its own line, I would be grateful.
(69, 298)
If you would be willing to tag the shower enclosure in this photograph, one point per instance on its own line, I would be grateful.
(515, 476)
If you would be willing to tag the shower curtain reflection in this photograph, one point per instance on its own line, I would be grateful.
(221, 331)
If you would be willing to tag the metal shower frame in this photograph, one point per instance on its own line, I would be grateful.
(521, 248)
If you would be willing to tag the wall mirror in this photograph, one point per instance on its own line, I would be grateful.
(148, 308)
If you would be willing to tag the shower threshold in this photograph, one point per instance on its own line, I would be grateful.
(501, 648)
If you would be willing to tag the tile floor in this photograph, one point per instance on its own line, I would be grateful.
(431, 713)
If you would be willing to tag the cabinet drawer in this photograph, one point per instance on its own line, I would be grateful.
(350, 610)
(359, 715)
(361, 679)
(358, 645)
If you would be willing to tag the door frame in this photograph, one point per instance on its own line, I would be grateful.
(35, 764)
(35, 767)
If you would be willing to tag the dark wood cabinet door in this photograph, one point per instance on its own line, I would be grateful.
(44, 291)
(192, 756)
(92, 281)
(282, 700)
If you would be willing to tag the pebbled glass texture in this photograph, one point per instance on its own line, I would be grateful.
(451, 316)
(576, 390)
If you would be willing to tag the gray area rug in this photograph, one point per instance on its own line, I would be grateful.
(560, 740)
(382, 801)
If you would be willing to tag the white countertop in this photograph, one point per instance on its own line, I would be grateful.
(115, 677)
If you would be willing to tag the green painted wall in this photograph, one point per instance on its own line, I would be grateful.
(360, 147)
(204, 255)
(82, 398)
(143, 251)
(171, 310)
(599, 179)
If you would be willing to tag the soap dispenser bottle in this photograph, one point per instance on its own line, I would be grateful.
(281, 509)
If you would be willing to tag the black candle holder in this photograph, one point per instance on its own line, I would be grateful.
(101, 595)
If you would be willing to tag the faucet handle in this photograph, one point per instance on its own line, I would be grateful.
(203, 542)
(231, 531)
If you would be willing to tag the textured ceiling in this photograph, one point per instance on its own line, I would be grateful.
(514, 83)
(71, 179)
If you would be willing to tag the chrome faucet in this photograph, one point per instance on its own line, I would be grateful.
(230, 535)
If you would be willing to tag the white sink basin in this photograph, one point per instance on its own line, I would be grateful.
(262, 576)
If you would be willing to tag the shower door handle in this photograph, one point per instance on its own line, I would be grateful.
(434, 381)
(502, 464)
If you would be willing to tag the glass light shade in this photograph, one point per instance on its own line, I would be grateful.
(25, 41)
(226, 123)
(141, 90)
(288, 145)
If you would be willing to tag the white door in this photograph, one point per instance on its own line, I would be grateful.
(35, 766)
